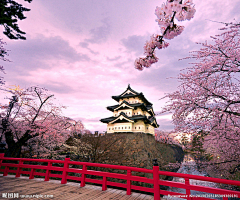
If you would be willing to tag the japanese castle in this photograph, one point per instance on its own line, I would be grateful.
(132, 114)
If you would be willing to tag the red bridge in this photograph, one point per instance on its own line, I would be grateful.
(47, 169)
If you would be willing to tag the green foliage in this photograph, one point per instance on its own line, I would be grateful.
(198, 141)
(209, 157)
(10, 13)
(184, 139)
(135, 150)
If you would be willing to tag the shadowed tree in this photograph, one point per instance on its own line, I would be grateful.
(10, 12)
(184, 139)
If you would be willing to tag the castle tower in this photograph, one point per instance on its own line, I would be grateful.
(132, 114)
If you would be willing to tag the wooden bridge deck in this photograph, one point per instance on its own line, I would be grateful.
(11, 187)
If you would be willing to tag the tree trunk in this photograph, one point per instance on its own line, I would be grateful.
(15, 151)
(14, 148)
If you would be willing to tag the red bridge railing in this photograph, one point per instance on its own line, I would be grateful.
(155, 181)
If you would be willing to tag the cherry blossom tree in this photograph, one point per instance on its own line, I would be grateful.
(208, 98)
(51, 142)
(34, 121)
(166, 137)
(172, 9)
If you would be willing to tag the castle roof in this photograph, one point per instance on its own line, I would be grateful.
(124, 118)
(125, 105)
(129, 92)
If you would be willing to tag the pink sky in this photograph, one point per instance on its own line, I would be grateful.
(83, 51)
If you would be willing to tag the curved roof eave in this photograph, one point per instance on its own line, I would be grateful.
(122, 116)
(128, 95)
(121, 105)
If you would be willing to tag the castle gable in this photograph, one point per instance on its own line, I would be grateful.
(121, 118)
(128, 93)
(124, 105)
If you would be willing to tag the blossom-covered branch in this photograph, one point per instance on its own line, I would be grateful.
(172, 9)
(208, 98)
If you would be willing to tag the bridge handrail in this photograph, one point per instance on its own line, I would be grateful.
(105, 175)
(201, 178)
(83, 163)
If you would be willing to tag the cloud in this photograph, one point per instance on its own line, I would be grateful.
(100, 34)
(134, 43)
(93, 120)
(58, 87)
(50, 48)
(157, 78)
(46, 53)
(86, 46)
(114, 59)
(42, 52)
(165, 124)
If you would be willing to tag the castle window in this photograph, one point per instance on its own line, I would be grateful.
(109, 129)
(122, 127)
(118, 127)
(129, 127)
(139, 127)
(112, 128)
(135, 127)
(125, 127)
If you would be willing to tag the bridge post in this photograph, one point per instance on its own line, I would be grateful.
(1, 156)
(19, 169)
(129, 182)
(188, 191)
(155, 180)
(5, 173)
(65, 167)
(83, 176)
(32, 173)
(104, 185)
(47, 175)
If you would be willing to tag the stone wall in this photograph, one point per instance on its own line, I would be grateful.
(128, 149)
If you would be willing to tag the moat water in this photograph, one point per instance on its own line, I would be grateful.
(189, 166)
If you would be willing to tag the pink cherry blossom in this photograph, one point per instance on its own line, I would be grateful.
(170, 34)
(208, 99)
(36, 122)
(165, 17)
